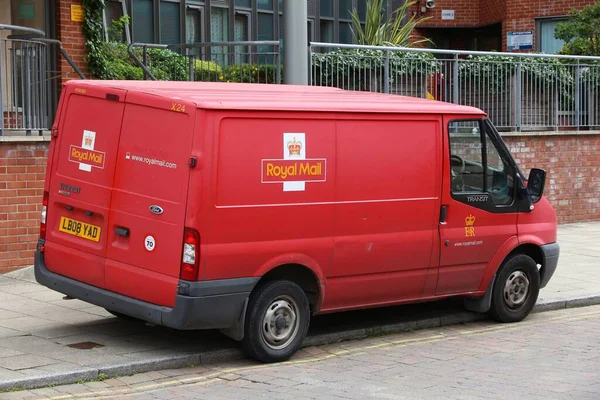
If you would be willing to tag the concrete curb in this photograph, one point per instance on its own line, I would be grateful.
(223, 355)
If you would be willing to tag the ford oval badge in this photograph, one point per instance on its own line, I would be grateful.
(156, 210)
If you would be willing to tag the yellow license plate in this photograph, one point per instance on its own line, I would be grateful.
(79, 229)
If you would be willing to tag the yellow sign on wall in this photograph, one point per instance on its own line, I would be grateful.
(76, 12)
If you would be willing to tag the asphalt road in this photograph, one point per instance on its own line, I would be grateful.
(552, 355)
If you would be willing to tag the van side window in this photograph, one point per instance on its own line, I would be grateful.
(477, 164)
(466, 157)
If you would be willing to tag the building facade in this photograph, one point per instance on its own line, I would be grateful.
(496, 25)
(488, 25)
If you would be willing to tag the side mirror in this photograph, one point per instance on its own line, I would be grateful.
(535, 184)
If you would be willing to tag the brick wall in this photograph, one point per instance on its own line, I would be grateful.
(466, 13)
(572, 164)
(22, 173)
(571, 161)
(71, 35)
(491, 11)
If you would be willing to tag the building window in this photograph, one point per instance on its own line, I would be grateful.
(142, 18)
(546, 42)
(345, 9)
(266, 31)
(327, 8)
(194, 22)
(326, 31)
(113, 11)
(219, 28)
(241, 33)
(243, 3)
(264, 4)
(346, 32)
(169, 23)
(361, 9)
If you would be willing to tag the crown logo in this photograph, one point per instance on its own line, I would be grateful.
(294, 147)
(88, 140)
(470, 220)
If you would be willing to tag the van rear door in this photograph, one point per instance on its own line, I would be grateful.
(146, 222)
(79, 192)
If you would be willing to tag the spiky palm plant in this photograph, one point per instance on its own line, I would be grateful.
(391, 32)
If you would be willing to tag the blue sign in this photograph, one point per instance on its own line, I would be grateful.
(519, 40)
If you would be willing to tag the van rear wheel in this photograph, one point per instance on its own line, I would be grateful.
(516, 289)
(277, 321)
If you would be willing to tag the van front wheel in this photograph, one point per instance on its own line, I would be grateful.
(516, 289)
(277, 321)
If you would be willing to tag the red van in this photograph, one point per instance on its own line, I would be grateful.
(249, 208)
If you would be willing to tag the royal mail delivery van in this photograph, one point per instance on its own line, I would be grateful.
(250, 208)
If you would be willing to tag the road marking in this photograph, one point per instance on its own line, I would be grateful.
(214, 376)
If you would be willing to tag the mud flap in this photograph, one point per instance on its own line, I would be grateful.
(236, 332)
(481, 304)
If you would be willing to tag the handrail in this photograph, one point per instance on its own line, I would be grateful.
(64, 53)
(34, 111)
(22, 29)
(450, 52)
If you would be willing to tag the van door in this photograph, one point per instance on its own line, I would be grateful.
(83, 166)
(479, 201)
(145, 229)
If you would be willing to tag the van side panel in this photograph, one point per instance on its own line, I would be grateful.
(388, 193)
(274, 192)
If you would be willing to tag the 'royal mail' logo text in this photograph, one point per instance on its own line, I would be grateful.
(86, 156)
(311, 170)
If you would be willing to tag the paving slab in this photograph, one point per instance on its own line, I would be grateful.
(44, 337)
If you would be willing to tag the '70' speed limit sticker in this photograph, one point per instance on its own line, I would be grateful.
(150, 243)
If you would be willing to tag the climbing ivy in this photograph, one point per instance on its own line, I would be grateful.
(93, 33)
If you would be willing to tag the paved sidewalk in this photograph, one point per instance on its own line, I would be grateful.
(46, 340)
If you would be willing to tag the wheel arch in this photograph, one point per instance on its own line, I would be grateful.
(300, 274)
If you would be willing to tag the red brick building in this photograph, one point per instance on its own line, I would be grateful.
(490, 25)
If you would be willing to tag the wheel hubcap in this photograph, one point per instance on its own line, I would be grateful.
(280, 323)
(516, 289)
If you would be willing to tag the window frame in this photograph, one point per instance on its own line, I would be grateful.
(487, 131)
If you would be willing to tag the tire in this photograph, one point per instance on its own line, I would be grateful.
(277, 321)
(516, 289)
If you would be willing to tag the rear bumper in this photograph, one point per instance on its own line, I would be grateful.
(550, 253)
(218, 304)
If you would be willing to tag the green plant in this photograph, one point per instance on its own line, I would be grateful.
(581, 31)
(397, 31)
(359, 68)
(92, 32)
(117, 28)
(207, 71)
(496, 72)
(166, 64)
(259, 73)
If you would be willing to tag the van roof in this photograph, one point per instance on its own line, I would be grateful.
(255, 96)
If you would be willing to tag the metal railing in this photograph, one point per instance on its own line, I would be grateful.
(520, 92)
(27, 85)
(254, 62)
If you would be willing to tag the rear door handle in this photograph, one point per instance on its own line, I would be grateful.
(122, 231)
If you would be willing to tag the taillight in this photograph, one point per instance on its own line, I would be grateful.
(44, 216)
(190, 261)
